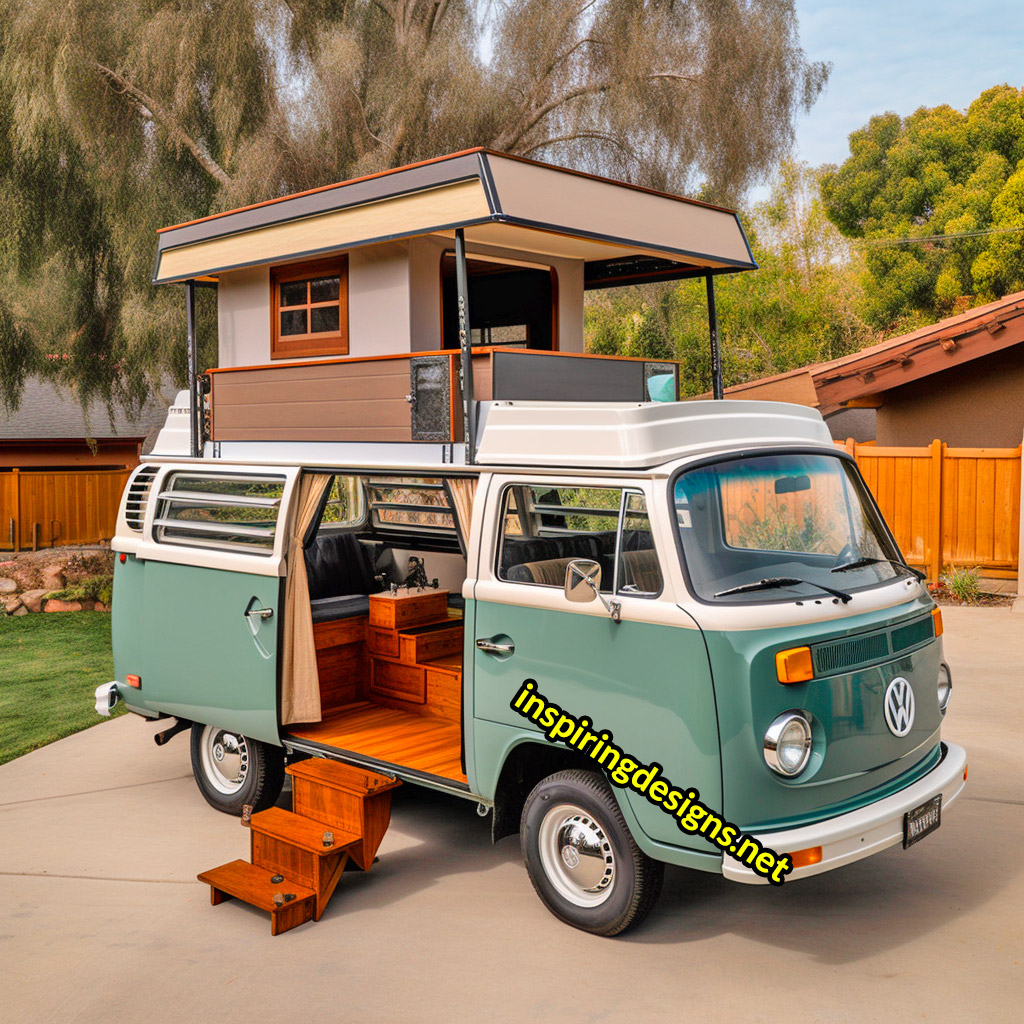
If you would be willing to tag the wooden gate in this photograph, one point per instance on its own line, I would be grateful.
(948, 506)
(40, 508)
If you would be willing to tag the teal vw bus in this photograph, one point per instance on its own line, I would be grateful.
(749, 626)
(408, 524)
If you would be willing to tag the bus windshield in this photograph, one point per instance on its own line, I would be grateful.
(781, 528)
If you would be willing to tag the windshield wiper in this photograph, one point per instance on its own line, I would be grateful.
(773, 582)
(861, 562)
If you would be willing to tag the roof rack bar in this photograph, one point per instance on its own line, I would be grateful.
(466, 347)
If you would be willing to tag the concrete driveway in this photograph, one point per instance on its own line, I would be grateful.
(101, 918)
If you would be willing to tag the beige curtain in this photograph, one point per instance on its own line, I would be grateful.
(463, 491)
(300, 682)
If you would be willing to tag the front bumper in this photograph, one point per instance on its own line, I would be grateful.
(860, 833)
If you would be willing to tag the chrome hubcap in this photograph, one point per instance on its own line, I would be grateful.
(576, 855)
(225, 759)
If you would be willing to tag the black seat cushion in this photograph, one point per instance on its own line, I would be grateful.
(337, 564)
(519, 550)
(327, 609)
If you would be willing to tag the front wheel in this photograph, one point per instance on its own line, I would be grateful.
(232, 770)
(582, 860)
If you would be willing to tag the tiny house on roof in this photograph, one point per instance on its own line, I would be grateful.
(350, 312)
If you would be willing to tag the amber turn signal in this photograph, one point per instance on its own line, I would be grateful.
(794, 665)
(937, 619)
(135, 681)
(802, 858)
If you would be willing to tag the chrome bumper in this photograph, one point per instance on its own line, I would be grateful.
(860, 833)
(107, 697)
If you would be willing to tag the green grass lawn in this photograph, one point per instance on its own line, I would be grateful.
(49, 667)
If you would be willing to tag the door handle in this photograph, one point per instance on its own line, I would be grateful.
(491, 647)
(259, 613)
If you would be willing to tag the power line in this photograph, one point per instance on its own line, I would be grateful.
(922, 239)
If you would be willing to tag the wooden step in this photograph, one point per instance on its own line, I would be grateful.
(253, 885)
(345, 799)
(301, 832)
(349, 778)
(428, 642)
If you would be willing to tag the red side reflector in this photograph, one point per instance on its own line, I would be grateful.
(135, 681)
(965, 773)
(124, 558)
(801, 858)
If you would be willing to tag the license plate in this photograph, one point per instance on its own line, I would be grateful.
(922, 820)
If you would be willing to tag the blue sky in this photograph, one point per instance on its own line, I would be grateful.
(900, 55)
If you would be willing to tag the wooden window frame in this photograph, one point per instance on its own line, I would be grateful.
(289, 346)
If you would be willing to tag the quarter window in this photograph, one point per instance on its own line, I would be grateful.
(310, 309)
(230, 513)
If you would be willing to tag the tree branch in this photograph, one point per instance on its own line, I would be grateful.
(583, 134)
(152, 110)
(507, 140)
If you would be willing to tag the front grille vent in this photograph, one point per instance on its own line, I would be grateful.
(138, 497)
(840, 655)
(912, 634)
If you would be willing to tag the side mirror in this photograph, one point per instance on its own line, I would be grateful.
(582, 581)
(583, 584)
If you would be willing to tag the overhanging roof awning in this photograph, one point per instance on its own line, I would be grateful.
(622, 233)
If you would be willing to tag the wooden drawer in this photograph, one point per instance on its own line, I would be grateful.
(382, 641)
(403, 682)
(396, 611)
(430, 643)
(339, 631)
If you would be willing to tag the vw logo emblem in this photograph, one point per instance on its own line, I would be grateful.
(570, 856)
(899, 707)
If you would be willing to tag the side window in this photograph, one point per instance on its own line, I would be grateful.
(544, 528)
(639, 573)
(344, 505)
(230, 513)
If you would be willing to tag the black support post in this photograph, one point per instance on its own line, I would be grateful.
(465, 347)
(716, 356)
(195, 399)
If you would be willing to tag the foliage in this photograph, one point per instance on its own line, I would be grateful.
(116, 119)
(92, 588)
(939, 171)
(801, 306)
(51, 666)
(776, 530)
(963, 584)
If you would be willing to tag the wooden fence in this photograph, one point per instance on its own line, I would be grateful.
(40, 508)
(948, 506)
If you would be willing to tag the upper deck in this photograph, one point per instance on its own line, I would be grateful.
(349, 313)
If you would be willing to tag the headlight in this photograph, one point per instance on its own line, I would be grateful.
(787, 744)
(945, 686)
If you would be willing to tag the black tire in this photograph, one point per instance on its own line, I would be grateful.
(232, 770)
(614, 885)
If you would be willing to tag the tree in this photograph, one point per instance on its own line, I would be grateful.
(937, 199)
(116, 119)
(801, 306)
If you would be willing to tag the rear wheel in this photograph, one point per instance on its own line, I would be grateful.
(232, 770)
(581, 858)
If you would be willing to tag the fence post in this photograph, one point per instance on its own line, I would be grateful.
(1018, 605)
(17, 509)
(851, 446)
(935, 512)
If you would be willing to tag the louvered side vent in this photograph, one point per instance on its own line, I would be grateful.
(846, 654)
(912, 634)
(138, 497)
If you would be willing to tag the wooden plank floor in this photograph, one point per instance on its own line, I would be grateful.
(422, 742)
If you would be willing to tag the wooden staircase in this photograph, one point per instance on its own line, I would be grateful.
(341, 813)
